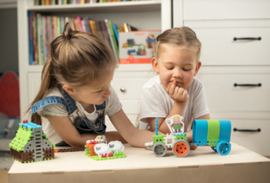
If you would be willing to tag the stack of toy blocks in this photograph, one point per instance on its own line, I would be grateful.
(89, 148)
(31, 144)
(98, 149)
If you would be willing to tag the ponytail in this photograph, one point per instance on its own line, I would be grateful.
(47, 81)
(76, 58)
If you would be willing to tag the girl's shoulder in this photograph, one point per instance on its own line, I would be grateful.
(53, 92)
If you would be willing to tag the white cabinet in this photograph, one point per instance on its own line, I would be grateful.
(227, 42)
(144, 15)
(235, 60)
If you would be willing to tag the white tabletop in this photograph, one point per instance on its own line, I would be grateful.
(137, 159)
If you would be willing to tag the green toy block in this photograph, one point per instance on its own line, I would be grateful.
(158, 138)
(180, 136)
(213, 132)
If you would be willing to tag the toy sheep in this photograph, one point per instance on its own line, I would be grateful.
(116, 146)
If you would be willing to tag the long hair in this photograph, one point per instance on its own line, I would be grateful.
(76, 58)
(184, 37)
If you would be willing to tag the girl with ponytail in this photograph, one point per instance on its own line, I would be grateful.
(75, 93)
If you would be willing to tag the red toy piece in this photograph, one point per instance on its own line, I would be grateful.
(110, 154)
(104, 155)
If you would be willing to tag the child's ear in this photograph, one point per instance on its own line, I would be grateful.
(155, 64)
(198, 66)
(68, 89)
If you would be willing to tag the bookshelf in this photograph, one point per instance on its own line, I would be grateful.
(144, 15)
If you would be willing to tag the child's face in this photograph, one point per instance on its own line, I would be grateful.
(95, 93)
(176, 63)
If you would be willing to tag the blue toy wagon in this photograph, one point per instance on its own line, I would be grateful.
(213, 133)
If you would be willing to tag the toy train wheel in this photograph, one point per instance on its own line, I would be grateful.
(160, 149)
(181, 148)
(223, 148)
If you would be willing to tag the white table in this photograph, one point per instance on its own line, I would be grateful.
(141, 165)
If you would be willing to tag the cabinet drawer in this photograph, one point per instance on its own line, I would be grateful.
(229, 9)
(257, 136)
(128, 85)
(219, 46)
(222, 95)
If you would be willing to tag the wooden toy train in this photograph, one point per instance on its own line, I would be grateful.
(214, 133)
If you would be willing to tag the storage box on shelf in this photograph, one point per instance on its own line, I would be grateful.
(235, 63)
(144, 15)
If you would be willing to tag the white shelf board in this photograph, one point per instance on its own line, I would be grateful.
(120, 67)
(137, 6)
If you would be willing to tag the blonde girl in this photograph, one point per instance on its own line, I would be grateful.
(76, 94)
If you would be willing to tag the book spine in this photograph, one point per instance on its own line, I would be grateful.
(94, 27)
(49, 36)
(86, 22)
(31, 53)
(35, 37)
(79, 20)
(105, 33)
(55, 27)
(58, 26)
(99, 30)
(71, 23)
(90, 26)
(83, 25)
(44, 40)
(116, 34)
(39, 38)
(111, 40)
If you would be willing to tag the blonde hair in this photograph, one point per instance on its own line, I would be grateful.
(184, 37)
(76, 58)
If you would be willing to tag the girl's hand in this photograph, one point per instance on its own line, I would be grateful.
(176, 93)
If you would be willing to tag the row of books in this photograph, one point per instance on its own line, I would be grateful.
(44, 29)
(64, 2)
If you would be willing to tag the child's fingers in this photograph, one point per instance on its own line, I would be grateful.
(185, 95)
(193, 147)
(172, 88)
(168, 88)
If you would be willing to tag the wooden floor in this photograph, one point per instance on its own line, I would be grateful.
(5, 163)
(4, 176)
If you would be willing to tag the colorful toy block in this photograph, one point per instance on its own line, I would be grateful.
(31, 144)
(214, 133)
(98, 149)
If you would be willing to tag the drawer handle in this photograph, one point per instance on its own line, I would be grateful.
(248, 85)
(246, 130)
(123, 90)
(247, 38)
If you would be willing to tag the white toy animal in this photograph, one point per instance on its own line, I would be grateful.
(116, 146)
(102, 149)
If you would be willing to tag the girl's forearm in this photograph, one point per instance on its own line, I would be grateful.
(140, 137)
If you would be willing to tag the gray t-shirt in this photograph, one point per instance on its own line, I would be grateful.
(155, 102)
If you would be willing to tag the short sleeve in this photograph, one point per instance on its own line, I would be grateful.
(200, 107)
(53, 110)
(151, 105)
(113, 104)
